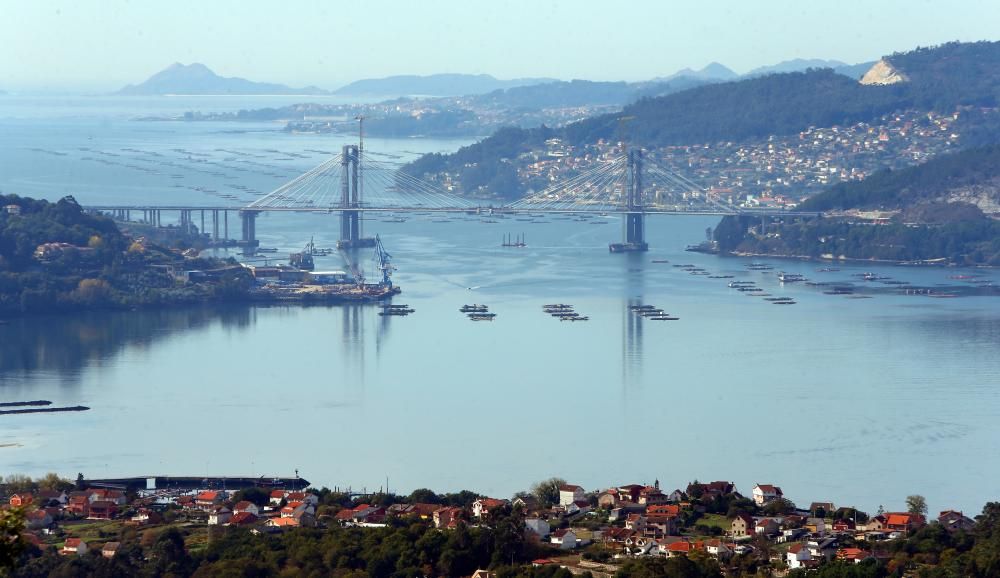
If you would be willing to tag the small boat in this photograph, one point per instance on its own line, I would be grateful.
(557, 306)
(783, 303)
(474, 308)
(575, 318)
(640, 307)
(662, 318)
(267, 249)
(482, 316)
(660, 261)
(790, 277)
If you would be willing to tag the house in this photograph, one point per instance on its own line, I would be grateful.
(246, 506)
(855, 555)
(764, 493)
(952, 521)
(484, 574)
(608, 499)
(102, 510)
(52, 497)
(276, 497)
(711, 489)
(447, 517)
(578, 507)
(74, 546)
(638, 545)
(242, 519)
(527, 503)
(798, 556)
(570, 493)
(537, 525)
(650, 495)
(821, 509)
(78, 504)
(110, 549)
(718, 549)
(765, 527)
(209, 500)
(742, 526)
(307, 497)
(12, 210)
(676, 496)
(680, 548)
(38, 519)
(220, 516)
(145, 516)
(876, 523)
(663, 510)
(282, 523)
(816, 525)
(660, 526)
(19, 500)
(822, 549)
(116, 497)
(565, 538)
(635, 522)
(905, 523)
(844, 527)
(482, 507)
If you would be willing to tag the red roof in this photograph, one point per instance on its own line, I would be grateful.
(569, 488)
(243, 505)
(278, 494)
(207, 496)
(242, 518)
(769, 489)
(73, 542)
(898, 519)
(852, 554)
(664, 510)
(796, 548)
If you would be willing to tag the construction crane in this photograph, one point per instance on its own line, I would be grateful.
(383, 262)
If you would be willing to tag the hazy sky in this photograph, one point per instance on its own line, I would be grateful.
(103, 44)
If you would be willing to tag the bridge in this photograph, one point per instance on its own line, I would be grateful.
(353, 182)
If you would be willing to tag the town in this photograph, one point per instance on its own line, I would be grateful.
(559, 524)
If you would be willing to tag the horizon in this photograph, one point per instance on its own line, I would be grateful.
(62, 47)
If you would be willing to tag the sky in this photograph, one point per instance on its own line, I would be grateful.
(98, 45)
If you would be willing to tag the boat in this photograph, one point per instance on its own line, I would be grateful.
(790, 277)
(640, 307)
(783, 302)
(557, 306)
(267, 249)
(660, 261)
(662, 318)
(474, 308)
(482, 316)
(575, 318)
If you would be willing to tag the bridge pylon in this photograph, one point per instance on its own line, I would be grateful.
(351, 235)
(635, 215)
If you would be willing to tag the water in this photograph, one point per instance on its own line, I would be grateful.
(858, 401)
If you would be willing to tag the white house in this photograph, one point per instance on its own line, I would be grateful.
(564, 538)
(246, 506)
(538, 526)
(569, 493)
(798, 555)
(74, 546)
(220, 516)
(764, 493)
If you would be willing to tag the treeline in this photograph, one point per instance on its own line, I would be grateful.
(960, 243)
(888, 189)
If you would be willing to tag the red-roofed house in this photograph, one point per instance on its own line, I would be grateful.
(110, 549)
(447, 517)
(856, 555)
(277, 496)
(18, 500)
(220, 516)
(79, 505)
(282, 523)
(906, 523)
(681, 548)
(74, 546)
(242, 519)
(102, 510)
(663, 510)
(482, 507)
(208, 500)
(764, 493)
(116, 497)
(38, 519)
(246, 506)
(798, 556)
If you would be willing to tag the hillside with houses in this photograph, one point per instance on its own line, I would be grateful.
(557, 529)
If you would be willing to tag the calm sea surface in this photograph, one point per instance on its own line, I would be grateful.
(857, 401)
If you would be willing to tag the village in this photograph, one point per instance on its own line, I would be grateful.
(573, 528)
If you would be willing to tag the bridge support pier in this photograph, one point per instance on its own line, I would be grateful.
(351, 235)
(249, 240)
(635, 218)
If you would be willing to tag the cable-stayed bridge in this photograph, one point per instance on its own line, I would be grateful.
(356, 181)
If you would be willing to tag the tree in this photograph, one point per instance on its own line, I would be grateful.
(52, 481)
(778, 506)
(258, 496)
(11, 541)
(916, 504)
(547, 491)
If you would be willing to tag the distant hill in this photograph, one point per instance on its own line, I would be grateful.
(583, 93)
(197, 78)
(435, 85)
(795, 65)
(712, 71)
